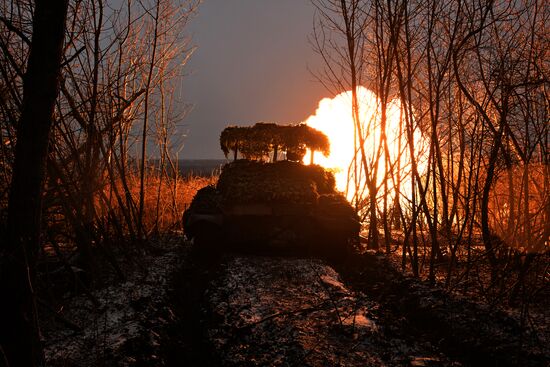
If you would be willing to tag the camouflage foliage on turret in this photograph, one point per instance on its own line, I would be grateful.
(258, 141)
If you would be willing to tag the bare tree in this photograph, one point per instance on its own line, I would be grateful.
(471, 81)
(91, 197)
(20, 335)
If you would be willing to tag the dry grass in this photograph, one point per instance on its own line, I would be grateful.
(165, 198)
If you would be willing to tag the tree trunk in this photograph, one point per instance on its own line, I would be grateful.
(485, 229)
(19, 333)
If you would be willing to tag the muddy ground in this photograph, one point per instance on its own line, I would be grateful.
(206, 309)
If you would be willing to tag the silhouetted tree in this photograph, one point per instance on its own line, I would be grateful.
(19, 331)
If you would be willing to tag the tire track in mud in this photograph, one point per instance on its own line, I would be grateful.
(185, 342)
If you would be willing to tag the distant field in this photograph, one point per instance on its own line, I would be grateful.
(200, 167)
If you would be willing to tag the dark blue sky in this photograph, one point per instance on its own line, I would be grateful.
(250, 65)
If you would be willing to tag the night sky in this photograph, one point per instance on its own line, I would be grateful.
(251, 65)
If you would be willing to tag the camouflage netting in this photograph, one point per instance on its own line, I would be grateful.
(308, 213)
(206, 200)
(335, 204)
(280, 182)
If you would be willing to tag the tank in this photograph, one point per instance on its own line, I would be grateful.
(280, 208)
